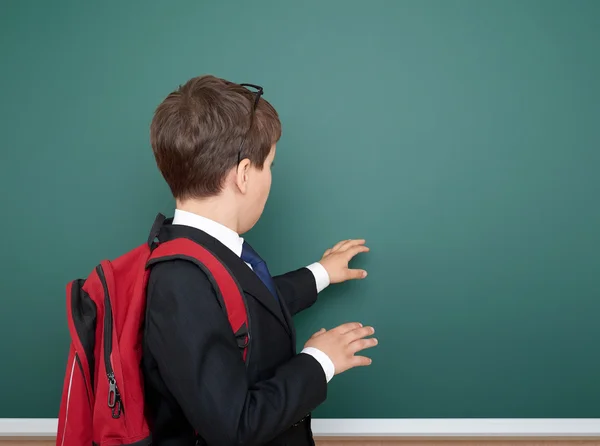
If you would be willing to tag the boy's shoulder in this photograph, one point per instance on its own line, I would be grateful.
(177, 281)
(182, 280)
(178, 276)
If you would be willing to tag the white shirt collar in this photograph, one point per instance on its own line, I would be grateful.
(222, 233)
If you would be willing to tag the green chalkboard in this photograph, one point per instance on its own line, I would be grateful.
(461, 139)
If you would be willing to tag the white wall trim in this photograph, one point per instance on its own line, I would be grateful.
(28, 427)
(435, 427)
(447, 427)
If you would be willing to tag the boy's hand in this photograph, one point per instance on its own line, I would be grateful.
(336, 259)
(341, 343)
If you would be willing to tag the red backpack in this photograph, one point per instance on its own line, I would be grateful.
(103, 395)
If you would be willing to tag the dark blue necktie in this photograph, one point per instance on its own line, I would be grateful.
(250, 256)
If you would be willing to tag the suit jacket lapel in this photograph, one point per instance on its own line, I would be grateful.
(253, 286)
(247, 279)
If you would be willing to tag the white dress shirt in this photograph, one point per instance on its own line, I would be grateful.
(234, 242)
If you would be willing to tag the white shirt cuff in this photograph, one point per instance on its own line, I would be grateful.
(323, 359)
(321, 276)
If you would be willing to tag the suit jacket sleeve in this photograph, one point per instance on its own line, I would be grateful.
(298, 289)
(198, 358)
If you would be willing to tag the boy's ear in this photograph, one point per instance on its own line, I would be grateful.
(241, 175)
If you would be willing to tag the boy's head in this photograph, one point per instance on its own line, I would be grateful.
(212, 138)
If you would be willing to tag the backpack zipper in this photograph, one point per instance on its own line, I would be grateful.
(87, 392)
(68, 401)
(114, 397)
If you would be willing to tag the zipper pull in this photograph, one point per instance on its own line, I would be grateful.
(112, 390)
(114, 397)
(116, 411)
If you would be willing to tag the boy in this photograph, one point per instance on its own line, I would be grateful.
(214, 143)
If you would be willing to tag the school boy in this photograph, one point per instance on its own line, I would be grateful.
(214, 142)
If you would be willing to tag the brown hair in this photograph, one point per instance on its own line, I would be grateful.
(197, 131)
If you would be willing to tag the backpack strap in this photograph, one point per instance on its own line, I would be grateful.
(228, 291)
(158, 223)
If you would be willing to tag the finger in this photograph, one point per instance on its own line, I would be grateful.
(358, 333)
(338, 245)
(352, 274)
(351, 252)
(361, 361)
(327, 252)
(347, 327)
(363, 344)
(318, 333)
(352, 243)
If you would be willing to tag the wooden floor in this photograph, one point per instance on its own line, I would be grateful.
(453, 442)
(392, 442)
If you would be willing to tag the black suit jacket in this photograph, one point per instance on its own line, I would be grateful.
(196, 379)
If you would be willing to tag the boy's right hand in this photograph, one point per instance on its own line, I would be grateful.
(341, 343)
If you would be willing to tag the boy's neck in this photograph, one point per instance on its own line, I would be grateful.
(214, 208)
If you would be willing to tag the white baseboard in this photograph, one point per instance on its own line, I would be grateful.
(435, 427)
(460, 427)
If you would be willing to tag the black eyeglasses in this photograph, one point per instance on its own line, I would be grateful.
(258, 94)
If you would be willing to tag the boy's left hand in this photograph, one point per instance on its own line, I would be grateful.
(336, 259)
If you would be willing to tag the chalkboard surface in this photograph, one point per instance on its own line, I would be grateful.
(461, 139)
